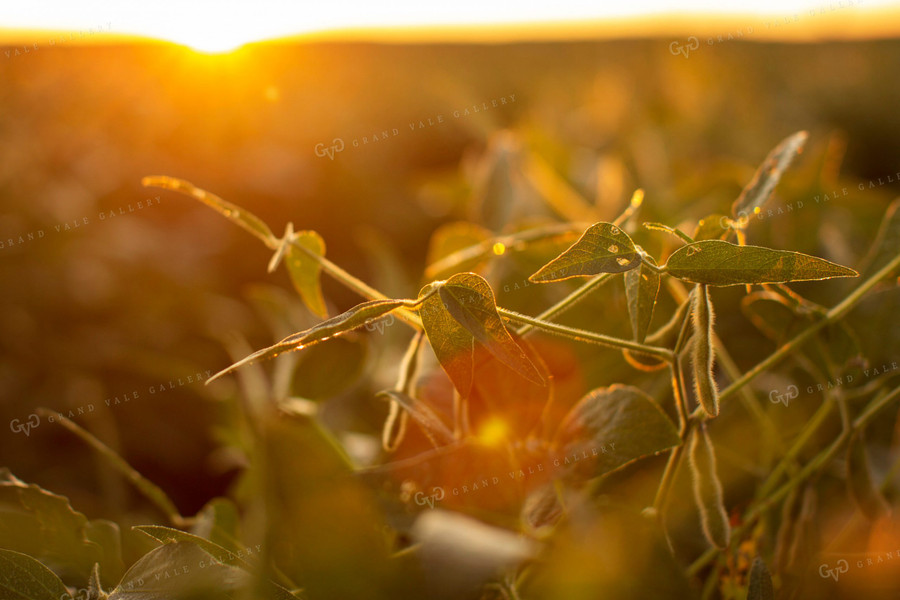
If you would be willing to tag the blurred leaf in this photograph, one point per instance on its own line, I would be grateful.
(603, 248)
(887, 241)
(708, 489)
(219, 522)
(322, 527)
(305, 270)
(180, 571)
(760, 582)
(24, 578)
(469, 299)
(542, 507)
(710, 228)
(862, 488)
(357, 316)
(773, 315)
(241, 217)
(456, 247)
(497, 183)
(422, 414)
(610, 553)
(327, 370)
(641, 289)
(45, 526)
(721, 263)
(460, 554)
(611, 427)
(760, 188)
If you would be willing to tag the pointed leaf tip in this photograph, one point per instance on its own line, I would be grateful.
(602, 248)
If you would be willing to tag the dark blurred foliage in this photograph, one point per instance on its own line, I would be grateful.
(139, 298)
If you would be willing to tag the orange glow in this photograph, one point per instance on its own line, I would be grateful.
(493, 433)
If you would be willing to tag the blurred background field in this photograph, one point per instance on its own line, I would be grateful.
(139, 298)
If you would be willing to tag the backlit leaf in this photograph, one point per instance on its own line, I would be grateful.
(357, 316)
(24, 578)
(305, 270)
(721, 263)
(641, 289)
(760, 188)
(469, 299)
(462, 312)
(603, 248)
(611, 427)
(180, 571)
(241, 217)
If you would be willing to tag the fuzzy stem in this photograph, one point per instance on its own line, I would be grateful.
(567, 302)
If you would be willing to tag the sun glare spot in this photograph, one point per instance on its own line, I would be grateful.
(493, 432)
(499, 248)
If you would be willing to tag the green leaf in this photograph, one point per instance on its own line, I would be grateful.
(44, 525)
(708, 489)
(862, 488)
(423, 415)
(760, 582)
(305, 270)
(358, 316)
(760, 188)
(603, 248)
(24, 578)
(612, 427)
(470, 301)
(721, 263)
(180, 571)
(241, 217)
(641, 289)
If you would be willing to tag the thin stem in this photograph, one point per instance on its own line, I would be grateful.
(148, 489)
(582, 335)
(567, 302)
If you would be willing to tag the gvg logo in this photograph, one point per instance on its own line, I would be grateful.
(437, 494)
(380, 324)
(842, 567)
(677, 48)
(17, 426)
(775, 396)
(337, 145)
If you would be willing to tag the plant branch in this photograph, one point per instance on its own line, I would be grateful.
(568, 302)
(582, 335)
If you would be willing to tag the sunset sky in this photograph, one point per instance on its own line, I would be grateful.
(228, 24)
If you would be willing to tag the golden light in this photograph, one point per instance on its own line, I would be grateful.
(493, 432)
(218, 27)
(499, 248)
